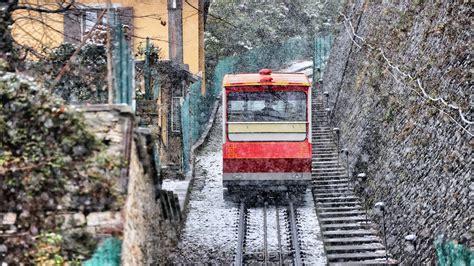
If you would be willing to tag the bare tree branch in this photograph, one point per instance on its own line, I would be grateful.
(45, 10)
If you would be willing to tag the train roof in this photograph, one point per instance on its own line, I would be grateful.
(268, 78)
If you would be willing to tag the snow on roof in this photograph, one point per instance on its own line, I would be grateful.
(254, 79)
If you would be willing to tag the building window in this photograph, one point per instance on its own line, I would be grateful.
(176, 114)
(79, 22)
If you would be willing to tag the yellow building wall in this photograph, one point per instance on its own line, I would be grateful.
(191, 34)
(28, 29)
(38, 31)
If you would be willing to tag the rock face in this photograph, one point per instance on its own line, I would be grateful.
(416, 153)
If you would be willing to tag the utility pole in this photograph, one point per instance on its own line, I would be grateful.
(175, 30)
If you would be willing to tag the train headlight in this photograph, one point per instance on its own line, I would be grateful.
(297, 176)
(238, 176)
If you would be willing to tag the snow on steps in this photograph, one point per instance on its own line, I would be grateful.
(349, 238)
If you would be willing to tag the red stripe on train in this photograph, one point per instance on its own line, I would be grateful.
(279, 165)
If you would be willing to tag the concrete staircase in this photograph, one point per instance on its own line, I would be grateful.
(349, 237)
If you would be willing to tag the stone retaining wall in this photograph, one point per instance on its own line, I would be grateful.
(415, 153)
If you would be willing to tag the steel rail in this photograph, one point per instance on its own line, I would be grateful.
(280, 252)
(265, 235)
(239, 256)
(294, 235)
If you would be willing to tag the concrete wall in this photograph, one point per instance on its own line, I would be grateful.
(416, 153)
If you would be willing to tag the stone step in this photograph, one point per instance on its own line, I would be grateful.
(337, 199)
(360, 255)
(324, 150)
(342, 213)
(333, 194)
(325, 155)
(346, 226)
(324, 146)
(329, 175)
(331, 186)
(339, 204)
(326, 175)
(325, 159)
(348, 219)
(344, 189)
(354, 248)
(337, 209)
(364, 262)
(339, 233)
(366, 239)
(331, 169)
(331, 181)
(321, 142)
(327, 162)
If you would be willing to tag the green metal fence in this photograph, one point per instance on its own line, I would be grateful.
(124, 65)
(107, 254)
(451, 253)
(196, 108)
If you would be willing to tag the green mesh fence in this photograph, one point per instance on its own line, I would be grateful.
(453, 254)
(107, 254)
(196, 108)
(322, 48)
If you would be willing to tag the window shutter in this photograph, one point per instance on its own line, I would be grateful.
(72, 27)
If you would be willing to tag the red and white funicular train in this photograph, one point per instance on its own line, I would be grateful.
(267, 130)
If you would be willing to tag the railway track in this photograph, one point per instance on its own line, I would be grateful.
(268, 235)
(348, 236)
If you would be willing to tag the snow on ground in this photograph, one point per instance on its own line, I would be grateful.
(179, 187)
(209, 234)
(309, 233)
(298, 66)
(255, 230)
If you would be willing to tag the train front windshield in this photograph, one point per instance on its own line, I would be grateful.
(266, 106)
